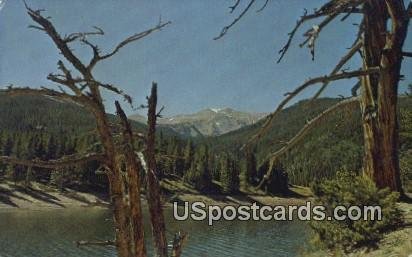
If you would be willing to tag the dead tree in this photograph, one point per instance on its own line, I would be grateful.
(153, 186)
(117, 159)
(380, 47)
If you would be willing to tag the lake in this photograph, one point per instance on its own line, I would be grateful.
(52, 233)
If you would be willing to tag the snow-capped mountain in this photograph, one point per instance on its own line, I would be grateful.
(207, 122)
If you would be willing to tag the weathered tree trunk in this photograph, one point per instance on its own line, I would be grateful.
(153, 192)
(382, 48)
(120, 208)
(133, 173)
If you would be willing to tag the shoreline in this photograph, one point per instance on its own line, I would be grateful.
(41, 197)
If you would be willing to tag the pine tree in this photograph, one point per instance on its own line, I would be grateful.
(8, 146)
(202, 168)
(251, 169)
(278, 183)
(198, 174)
(51, 151)
(189, 155)
(40, 151)
(18, 148)
(229, 175)
(179, 162)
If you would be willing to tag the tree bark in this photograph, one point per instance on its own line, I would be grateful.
(379, 92)
(120, 213)
(153, 192)
(133, 171)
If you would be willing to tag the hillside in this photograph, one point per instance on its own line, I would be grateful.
(34, 127)
(44, 128)
(207, 122)
(44, 114)
(335, 144)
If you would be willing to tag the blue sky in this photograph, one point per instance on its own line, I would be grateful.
(193, 71)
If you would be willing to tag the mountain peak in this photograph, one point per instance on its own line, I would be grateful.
(220, 110)
(216, 110)
(208, 122)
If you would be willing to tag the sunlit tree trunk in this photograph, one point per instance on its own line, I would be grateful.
(382, 47)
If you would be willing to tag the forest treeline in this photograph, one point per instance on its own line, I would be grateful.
(45, 129)
(335, 144)
(40, 128)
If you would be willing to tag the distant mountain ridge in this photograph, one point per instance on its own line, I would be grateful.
(207, 122)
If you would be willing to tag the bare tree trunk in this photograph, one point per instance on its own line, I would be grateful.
(380, 92)
(153, 191)
(133, 172)
(120, 213)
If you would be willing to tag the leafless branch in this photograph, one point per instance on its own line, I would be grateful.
(263, 6)
(125, 42)
(35, 27)
(96, 243)
(226, 28)
(407, 54)
(339, 66)
(355, 88)
(351, 11)
(233, 7)
(159, 113)
(96, 51)
(66, 161)
(118, 91)
(61, 44)
(79, 35)
(313, 33)
(332, 9)
(66, 79)
(291, 95)
(305, 17)
(302, 133)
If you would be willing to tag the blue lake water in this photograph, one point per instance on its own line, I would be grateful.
(52, 233)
